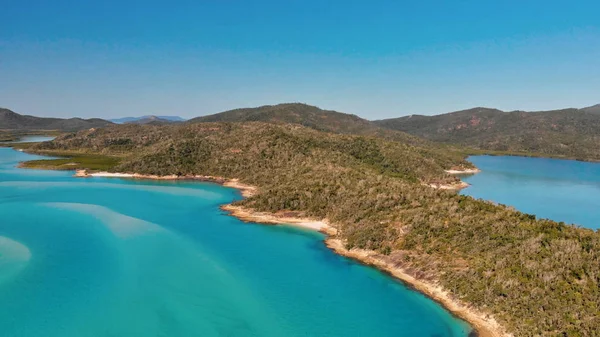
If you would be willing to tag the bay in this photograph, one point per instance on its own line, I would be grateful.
(561, 190)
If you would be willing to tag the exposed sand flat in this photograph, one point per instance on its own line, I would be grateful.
(248, 215)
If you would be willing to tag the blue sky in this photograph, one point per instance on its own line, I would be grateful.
(376, 59)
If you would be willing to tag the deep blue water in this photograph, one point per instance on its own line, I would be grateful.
(111, 257)
(561, 190)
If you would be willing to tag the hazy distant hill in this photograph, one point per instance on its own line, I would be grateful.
(592, 109)
(571, 133)
(147, 119)
(10, 120)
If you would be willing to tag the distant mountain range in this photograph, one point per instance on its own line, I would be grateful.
(147, 119)
(10, 120)
(569, 133)
(572, 133)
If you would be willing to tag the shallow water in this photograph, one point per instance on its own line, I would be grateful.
(112, 257)
(561, 190)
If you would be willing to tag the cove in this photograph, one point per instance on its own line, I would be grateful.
(112, 257)
(557, 189)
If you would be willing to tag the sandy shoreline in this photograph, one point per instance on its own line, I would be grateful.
(455, 186)
(286, 218)
(484, 325)
(466, 171)
(246, 190)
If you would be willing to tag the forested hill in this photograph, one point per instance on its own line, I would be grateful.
(412, 163)
(536, 277)
(294, 113)
(572, 133)
(10, 120)
(312, 117)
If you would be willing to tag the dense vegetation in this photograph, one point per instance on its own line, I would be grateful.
(13, 121)
(293, 113)
(537, 277)
(570, 133)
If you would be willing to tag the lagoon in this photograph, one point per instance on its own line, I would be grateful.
(112, 257)
(561, 190)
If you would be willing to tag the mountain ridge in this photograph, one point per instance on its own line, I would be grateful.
(568, 133)
(147, 119)
(10, 120)
(312, 117)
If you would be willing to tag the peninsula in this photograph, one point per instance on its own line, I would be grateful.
(491, 263)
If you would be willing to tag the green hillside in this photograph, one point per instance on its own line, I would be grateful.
(311, 117)
(569, 133)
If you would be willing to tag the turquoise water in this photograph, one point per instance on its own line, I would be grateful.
(561, 190)
(110, 257)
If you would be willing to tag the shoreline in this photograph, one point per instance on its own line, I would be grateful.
(483, 325)
(452, 187)
(465, 171)
(281, 218)
(456, 186)
(246, 190)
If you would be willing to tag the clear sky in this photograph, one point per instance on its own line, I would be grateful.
(376, 59)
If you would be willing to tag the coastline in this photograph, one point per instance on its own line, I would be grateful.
(465, 171)
(285, 218)
(246, 190)
(457, 186)
(453, 187)
(482, 324)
